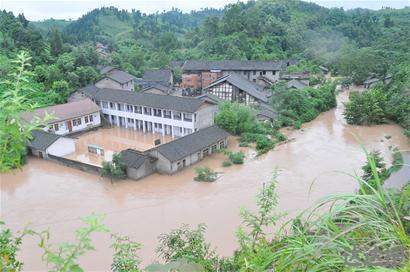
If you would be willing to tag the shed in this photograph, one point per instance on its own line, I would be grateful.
(44, 143)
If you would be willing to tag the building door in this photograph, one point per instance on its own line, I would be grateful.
(40, 155)
(69, 126)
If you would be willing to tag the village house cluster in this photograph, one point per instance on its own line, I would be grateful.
(156, 104)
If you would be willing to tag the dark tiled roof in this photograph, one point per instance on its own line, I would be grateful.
(266, 110)
(209, 97)
(163, 88)
(170, 102)
(163, 75)
(297, 84)
(133, 158)
(119, 76)
(242, 83)
(63, 111)
(42, 140)
(232, 65)
(106, 69)
(192, 143)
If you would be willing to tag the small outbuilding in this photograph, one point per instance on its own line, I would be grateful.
(44, 143)
(182, 152)
(138, 164)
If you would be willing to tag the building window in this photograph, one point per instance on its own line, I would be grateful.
(157, 112)
(137, 109)
(177, 115)
(56, 127)
(112, 106)
(86, 119)
(91, 118)
(120, 107)
(77, 122)
(147, 111)
(130, 108)
(188, 117)
(104, 104)
(187, 131)
(264, 73)
(167, 114)
(254, 72)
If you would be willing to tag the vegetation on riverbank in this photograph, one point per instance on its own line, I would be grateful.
(383, 103)
(356, 232)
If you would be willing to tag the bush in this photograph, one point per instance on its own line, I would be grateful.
(236, 157)
(205, 174)
(226, 163)
(264, 144)
(297, 124)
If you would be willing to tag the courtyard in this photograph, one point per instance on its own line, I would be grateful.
(109, 141)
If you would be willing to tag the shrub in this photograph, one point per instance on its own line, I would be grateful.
(226, 163)
(114, 169)
(205, 174)
(125, 258)
(264, 144)
(236, 157)
(297, 124)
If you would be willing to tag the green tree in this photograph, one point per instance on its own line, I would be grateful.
(14, 132)
(56, 42)
(9, 247)
(114, 169)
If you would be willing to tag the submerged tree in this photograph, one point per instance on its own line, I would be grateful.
(114, 169)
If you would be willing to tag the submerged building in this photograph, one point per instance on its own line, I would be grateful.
(148, 112)
(66, 118)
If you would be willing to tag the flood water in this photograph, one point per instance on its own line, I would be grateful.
(112, 140)
(44, 195)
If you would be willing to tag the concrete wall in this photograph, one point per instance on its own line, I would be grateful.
(144, 170)
(76, 164)
(61, 147)
(112, 84)
(205, 116)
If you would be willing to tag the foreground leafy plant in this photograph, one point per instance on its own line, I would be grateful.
(9, 246)
(64, 257)
(125, 257)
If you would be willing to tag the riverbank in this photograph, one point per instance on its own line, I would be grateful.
(313, 165)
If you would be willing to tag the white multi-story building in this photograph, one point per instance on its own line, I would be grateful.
(66, 118)
(165, 114)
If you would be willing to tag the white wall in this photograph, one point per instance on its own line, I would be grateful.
(149, 118)
(63, 128)
(61, 147)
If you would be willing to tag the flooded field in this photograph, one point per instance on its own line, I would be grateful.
(112, 140)
(316, 163)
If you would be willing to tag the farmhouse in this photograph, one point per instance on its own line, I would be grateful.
(114, 78)
(138, 164)
(235, 88)
(157, 88)
(198, 74)
(44, 144)
(297, 84)
(67, 118)
(187, 150)
(164, 114)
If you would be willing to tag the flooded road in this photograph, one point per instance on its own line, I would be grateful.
(49, 196)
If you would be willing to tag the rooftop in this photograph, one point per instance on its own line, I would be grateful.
(232, 65)
(191, 143)
(297, 84)
(169, 102)
(133, 158)
(63, 111)
(161, 87)
(117, 75)
(161, 75)
(42, 140)
(242, 83)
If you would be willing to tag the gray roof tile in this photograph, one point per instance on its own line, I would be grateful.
(162, 76)
(170, 102)
(42, 140)
(191, 143)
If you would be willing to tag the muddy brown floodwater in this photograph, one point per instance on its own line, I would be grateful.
(44, 195)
